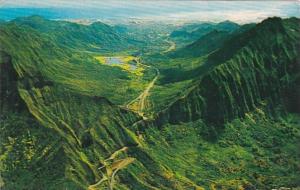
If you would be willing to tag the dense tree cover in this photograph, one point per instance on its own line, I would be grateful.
(224, 115)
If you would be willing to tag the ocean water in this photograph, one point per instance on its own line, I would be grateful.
(67, 13)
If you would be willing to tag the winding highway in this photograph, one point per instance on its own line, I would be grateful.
(139, 103)
(141, 100)
(172, 46)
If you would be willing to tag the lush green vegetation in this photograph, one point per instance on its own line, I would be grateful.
(223, 115)
(79, 71)
(249, 153)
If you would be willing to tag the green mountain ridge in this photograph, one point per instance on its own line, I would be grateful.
(191, 32)
(95, 37)
(247, 69)
(206, 44)
(211, 41)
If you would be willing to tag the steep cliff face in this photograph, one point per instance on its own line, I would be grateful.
(25, 144)
(254, 68)
(8, 81)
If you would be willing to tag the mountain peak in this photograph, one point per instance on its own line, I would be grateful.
(272, 19)
(227, 22)
(229, 25)
(99, 24)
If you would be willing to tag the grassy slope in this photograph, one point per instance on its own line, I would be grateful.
(203, 45)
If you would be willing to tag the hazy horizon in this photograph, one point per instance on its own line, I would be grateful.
(215, 11)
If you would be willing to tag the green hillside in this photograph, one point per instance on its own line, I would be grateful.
(206, 44)
(189, 33)
(220, 116)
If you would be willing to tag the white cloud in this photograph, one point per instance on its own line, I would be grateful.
(239, 11)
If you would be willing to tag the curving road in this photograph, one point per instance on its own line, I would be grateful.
(172, 46)
(141, 100)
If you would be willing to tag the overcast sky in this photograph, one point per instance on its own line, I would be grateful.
(238, 11)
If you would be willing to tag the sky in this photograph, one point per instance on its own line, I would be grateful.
(237, 11)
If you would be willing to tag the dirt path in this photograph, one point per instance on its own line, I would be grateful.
(111, 166)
